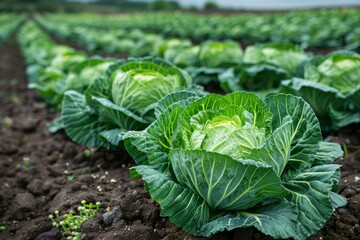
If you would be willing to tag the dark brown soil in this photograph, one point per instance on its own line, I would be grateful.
(28, 196)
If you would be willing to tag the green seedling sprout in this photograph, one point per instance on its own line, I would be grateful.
(26, 165)
(6, 122)
(71, 222)
(70, 178)
(345, 149)
(89, 151)
(2, 228)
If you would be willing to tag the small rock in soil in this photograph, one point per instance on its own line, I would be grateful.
(87, 196)
(137, 221)
(70, 150)
(86, 179)
(130, 211)
(28, 126)
(22, 181)
(24, 202)
(53, 234)
(150, 214)
(354, 202)
(75, 186)
(36, 228)
(35, 187)
(349, 192)
(343, 228)
(47, 185)
(9, 145)
(109, 217)
(343, 210)
(92, 225)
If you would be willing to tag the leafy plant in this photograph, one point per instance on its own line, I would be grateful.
(71, 222)
(183, 57)
(78, 78)
(217, 163)
(122, 100)
(6, 122)
(331, 85)
(25, 165)
(173, 43)
(219, 54)
(214, 57)
(264, 66)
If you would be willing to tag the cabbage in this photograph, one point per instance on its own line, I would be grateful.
(217, 163)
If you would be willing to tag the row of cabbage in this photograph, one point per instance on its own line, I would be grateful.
(8, 24)
(212, 162)
(342, 26)
(264, 68)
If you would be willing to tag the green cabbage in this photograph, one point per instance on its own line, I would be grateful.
(264, 67)
(331, 85)
(217, 163)
(219, 54)
(122, 100)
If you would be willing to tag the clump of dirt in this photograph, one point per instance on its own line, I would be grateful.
(42, 172)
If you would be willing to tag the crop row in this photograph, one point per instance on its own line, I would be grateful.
(212, 162)
(264, 68)
(305, 28)
(8, 24)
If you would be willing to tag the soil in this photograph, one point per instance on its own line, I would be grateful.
(60, 174)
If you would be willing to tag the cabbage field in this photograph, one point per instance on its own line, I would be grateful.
(178, 125)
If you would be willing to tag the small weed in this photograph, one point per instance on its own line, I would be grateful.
(70, 178)
(344, 146)
(2, 228)
(71, 222)
(15, 98)
(26, 165)
(90, 151)
(6, 122)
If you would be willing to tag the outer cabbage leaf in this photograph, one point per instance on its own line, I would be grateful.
(333, 108)
(183, 207)
(310, 192)
(80, 121)
(277, 220)
(254, 77)
(224, 183)
(306, 133)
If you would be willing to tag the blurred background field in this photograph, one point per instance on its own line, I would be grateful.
(110, 6)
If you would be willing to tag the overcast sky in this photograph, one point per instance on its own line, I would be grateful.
(274, 4)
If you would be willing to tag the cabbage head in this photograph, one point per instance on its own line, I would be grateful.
(174, 43)
(123, 99)
(213, 58)
(217, 163)
(263, 68)
(49, 81)
(84, 73)
(331, 84)
(183, 57)
(219, 54)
